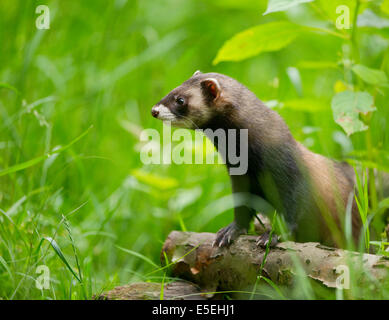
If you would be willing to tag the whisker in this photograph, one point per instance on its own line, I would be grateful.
(186, 118)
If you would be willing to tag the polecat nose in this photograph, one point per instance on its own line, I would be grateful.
(154, 112)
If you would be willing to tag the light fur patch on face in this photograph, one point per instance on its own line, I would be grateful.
(199, 112)
(170, 118)
(164, 113)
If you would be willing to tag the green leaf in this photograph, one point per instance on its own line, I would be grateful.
(155, 180)
(385, 6)
(317, 65)
(267, 37)
(240, 5)
(371, 76)
(346, 107)
(331, 9)
(306, 104)
(282, 5)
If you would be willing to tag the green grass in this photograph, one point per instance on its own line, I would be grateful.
(72, 101)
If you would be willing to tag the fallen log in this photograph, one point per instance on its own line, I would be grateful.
(236, 268)
(176, 290)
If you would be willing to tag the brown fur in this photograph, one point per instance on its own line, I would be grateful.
(310, 190)
(333, 185)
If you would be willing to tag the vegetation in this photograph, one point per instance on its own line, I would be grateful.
(74, 195)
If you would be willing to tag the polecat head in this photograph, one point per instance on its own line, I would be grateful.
(194, 103)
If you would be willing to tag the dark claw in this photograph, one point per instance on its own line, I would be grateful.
(227, 235)
(263, 240)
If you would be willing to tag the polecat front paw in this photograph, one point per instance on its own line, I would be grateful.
(263, 240)
(227, 235)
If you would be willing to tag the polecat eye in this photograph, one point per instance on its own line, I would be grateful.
(180, 101)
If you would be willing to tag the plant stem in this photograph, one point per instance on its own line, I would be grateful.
(371, 177)
(354, 40)
(369, 144)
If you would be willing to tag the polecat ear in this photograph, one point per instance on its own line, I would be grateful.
(211, 88)
(196, 73)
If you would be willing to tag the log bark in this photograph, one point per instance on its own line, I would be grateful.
(237, 267)
(206, 269)
(176, 290)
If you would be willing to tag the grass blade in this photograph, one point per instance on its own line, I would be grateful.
(32, 162)
(8, 86)
(138, 255)
(59, 253)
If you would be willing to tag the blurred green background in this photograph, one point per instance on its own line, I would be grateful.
(106, 63)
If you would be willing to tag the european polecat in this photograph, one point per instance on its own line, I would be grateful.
(310, 190)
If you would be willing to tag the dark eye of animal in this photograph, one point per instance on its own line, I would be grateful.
(180, 101)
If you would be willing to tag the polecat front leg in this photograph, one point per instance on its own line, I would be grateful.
(227, 235)
(264, 239)
(242, 214)
(239, 226)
